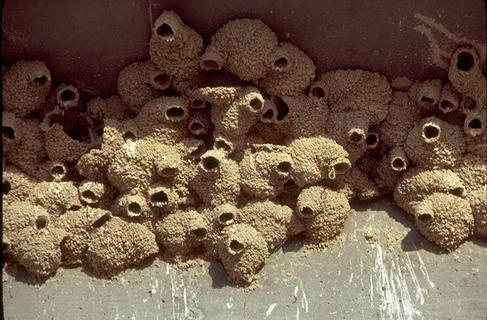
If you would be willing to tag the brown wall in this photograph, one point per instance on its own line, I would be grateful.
(89, 41)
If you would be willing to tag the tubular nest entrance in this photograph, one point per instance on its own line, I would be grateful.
(165, 31)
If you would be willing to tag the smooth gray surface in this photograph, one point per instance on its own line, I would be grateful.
(355, 280)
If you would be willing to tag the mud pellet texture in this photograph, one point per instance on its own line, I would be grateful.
(181, 167)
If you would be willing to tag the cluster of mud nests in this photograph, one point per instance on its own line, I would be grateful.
(175, 167)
